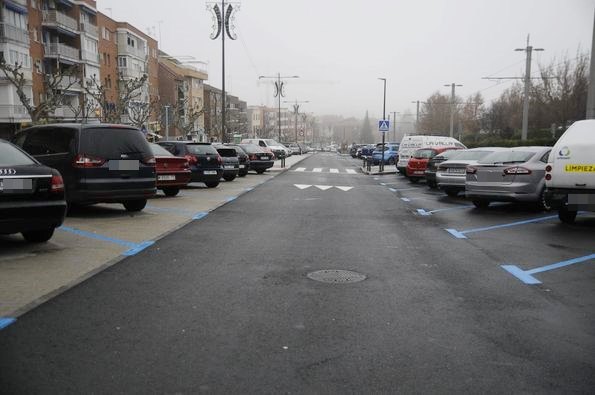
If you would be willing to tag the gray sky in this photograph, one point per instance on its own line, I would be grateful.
(340, 48)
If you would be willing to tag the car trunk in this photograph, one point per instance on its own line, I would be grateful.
(493, 174)
(170, 163)
(28, 183)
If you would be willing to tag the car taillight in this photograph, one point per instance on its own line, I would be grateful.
(516, 170)
(192, 160)
(548, 177)
(548, 168)
(150, 160)
(57, 185)
(219, 159)
(186, 165)
(471, 170)
(87, 161)
(253, 157)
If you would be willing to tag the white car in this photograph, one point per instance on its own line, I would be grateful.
(410, 144)
(278, 149)
(570, 172)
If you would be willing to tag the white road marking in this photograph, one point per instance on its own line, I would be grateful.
(317, 170)
(334, 171)
(300, 169)
(302, 186)
(344, 189)
(351, 171)
(323, 187)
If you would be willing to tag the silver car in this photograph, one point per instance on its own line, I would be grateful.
(513, 175)
(451, 174)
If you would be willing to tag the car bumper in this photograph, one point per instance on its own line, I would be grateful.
(499, 193)
(574, 199)
(18, 217)
(450, 181)
(261, 165)
(198, 175)
(415, 173)
(181, 179)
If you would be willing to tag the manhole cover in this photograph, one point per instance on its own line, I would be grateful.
(336, 276)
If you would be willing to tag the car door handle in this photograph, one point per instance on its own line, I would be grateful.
(580, 185)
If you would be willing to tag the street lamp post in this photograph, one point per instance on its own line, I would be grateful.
(452, 107)
(296, 110)
(223, 17)
(383, 118)
(278, 91)
(529, 49)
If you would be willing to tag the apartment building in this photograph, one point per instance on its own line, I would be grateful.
(181, 89)
(237, 121)
(14, 48)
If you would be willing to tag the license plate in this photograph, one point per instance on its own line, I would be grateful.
(210, 172)
(129, 165)
(166, 178)
(455, 170)
(230, 167)
(242, 166)
(264, 158)
(16, 185)
(418, 172)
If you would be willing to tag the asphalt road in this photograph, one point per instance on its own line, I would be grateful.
(224, 305)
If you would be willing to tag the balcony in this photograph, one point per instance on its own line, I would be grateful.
(64, 112)
(58, 50)
(61, 21)
(88, 56)
(13, 113)
(127, 72)
(69, 83)
(125, 49)
(13, 33)
(90, 29)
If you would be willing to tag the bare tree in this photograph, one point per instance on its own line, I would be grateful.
(139, 112)
(55, 85)
(185, 114)
(435, 114)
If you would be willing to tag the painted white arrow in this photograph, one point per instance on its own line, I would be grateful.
(302, 186)
(344, 189)
(323, 187)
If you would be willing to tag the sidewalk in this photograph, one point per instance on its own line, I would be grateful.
(375, 170)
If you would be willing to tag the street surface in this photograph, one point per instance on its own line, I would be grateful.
(225, 304)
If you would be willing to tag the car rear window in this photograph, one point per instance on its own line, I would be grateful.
(449, 154)
(472, 155)
(110, 143)
(424, 154)
(201, 149)
(11, 156)
(159, 150)
(251, 148)
(507, 157)
(227, 152)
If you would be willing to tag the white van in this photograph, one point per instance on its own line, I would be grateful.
(278, 149)
(412, 143)
(570, 173)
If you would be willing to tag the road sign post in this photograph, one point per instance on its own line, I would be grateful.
(383, 127)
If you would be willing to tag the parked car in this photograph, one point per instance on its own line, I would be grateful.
(205, 162)
(391, 154)
(260, 160)
(418, 163)
(231, 162)
(512, 175)
(31, 195)
(243, 159)
(451, 174)
(570, 173)
(353, 150)
(433, 163)
(277, 148)
(296, 148)
(366, 151)
(173, 172)
(100, 163)
(410, 144)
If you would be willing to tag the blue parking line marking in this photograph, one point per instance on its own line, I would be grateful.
(248, 189)
(6, 321)
(200, 215)
(392, 189)
(460, 234)
(526, 276)
(133, 248)
(424, 212)
(405, 189)
(231, 199)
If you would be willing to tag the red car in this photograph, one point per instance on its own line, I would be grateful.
(173, 172)
(418, 163)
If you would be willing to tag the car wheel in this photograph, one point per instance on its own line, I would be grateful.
(543, 204)
(432, 184)
(414, 180)
(135, 205)
(566, 215)
(229, 178)
(453, 193)
(260, 171)
(212, 184)
(480, 203)
(38, 236)
(171, 191)
(242, 174)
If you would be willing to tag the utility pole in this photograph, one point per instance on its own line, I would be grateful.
(383, 118)
(529, 49)
(166, 123)
(279, 85)
(591, 94)
(395, 125)
(452, 107)
(296, 110)
(417, 115)
(223, 17)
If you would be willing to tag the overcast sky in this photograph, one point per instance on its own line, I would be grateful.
(340, 48)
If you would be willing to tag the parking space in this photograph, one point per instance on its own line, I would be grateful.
(95, 237)
(531, 247)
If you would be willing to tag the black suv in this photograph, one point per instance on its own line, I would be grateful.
(205, 162)
(100, 163)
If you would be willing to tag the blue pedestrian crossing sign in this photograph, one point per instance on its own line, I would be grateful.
(383, 125)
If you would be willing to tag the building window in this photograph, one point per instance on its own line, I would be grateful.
(38, 66)
(109, 60)
(131, 42)
(105, 33)
(122, 61)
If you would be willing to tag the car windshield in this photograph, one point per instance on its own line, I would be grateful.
(506, 157)
(11, 156)
(424, 154)
(201, 149)
(270, 142)
(472, 155)
(159, 150)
